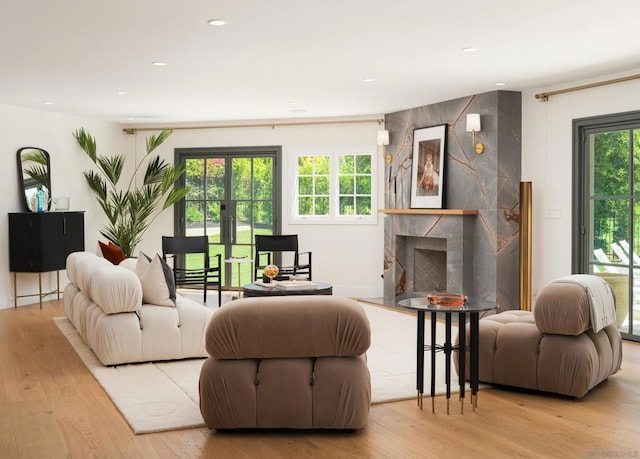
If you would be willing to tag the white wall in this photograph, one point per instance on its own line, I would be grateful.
(547, 163)
(53, 133)
(347, 256)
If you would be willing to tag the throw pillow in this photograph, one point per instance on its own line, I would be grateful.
(112, 252)
(156, 278)
(142, 263)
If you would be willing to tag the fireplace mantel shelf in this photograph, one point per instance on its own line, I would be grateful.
(430, 211)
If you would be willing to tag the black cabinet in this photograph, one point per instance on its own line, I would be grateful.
(40, 242)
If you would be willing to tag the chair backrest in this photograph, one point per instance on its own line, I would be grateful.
(603, 258)
(277, 243)
(627, 249)
(181, 245)
(620, 253)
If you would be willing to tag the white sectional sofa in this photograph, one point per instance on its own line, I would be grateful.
(105, 304)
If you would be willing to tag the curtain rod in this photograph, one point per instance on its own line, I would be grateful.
(544, 96)
(271, 125)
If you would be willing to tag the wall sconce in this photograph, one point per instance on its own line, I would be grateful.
(473, 126)
(383, 139)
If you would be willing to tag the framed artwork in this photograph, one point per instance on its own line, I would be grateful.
(427, 169)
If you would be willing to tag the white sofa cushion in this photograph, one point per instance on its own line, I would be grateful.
(116, 290)
(81, 266)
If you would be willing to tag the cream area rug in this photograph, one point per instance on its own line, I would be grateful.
(156, 397)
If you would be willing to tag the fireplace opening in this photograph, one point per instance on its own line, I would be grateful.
(429, 270)
(422, 265)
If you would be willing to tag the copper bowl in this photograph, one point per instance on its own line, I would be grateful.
(447, 299)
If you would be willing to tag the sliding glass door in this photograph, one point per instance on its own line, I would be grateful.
(608, 185)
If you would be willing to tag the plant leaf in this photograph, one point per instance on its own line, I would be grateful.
(37, 156)
(97, 184)
(40, 174)
(154, 141)
(176, 195)
(111, 167)
(155, 170)
(86, 142)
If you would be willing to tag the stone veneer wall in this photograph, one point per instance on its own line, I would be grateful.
(482, 250)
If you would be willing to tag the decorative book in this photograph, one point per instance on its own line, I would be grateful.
(295, 284)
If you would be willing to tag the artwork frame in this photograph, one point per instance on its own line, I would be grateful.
(428, 181)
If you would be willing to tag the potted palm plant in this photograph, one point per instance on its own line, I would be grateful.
(131, 209)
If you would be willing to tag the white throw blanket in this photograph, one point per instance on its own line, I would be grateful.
(603, 308)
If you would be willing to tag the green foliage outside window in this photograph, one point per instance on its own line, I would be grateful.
(313, 185)
(354, 186)
(611, 183)
(206, 179)
(354, 180)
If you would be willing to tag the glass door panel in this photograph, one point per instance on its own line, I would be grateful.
(612, 216)
(195, 214)
(214, 191)
(251, 184)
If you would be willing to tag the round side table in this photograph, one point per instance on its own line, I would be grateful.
(471, 308)
(239, 261)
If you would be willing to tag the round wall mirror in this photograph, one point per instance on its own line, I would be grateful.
(34, 174)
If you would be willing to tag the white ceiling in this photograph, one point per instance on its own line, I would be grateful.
(78, 54)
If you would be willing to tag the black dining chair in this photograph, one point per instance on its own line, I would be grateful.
(268, 246)
(208, 268)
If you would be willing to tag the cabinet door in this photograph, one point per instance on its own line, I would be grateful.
(62, 234)
(51, 241)
(73, 232)
(22, 243)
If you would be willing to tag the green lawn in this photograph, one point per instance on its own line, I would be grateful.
(239, 250)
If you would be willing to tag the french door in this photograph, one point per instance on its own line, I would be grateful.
(607, 188)
(234, 195)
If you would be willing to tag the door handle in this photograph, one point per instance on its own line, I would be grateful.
(232, 229)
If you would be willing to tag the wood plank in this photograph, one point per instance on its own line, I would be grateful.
(51, 406)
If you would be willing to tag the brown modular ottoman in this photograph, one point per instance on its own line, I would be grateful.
(553, 349)
(287, 362)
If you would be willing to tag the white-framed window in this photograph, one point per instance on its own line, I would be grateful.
(335, 188)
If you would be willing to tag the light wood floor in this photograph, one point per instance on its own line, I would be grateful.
(50, 407)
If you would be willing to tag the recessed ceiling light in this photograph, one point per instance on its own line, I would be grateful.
(294, 103)
(217, 22)
(469, 50)
(298, 110)
(48, 103)
(122, 93)
(368, 80)
(500, 84)
(159, 64)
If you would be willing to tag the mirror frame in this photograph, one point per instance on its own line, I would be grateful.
(30, 181)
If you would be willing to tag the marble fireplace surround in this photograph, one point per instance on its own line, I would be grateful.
(448, 231)
(480, 194)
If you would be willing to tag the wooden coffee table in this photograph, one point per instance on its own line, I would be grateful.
(319, 288)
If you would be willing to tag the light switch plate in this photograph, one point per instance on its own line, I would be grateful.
(553, 213)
